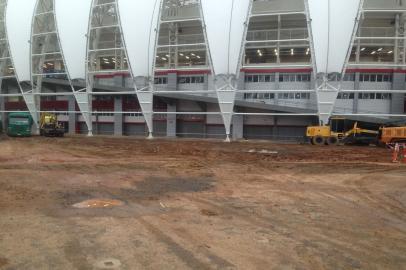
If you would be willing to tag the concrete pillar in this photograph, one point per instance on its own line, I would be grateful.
(277, 86)
(72, 116)
(118, 117)
(240, 86)
(172, 81)
(171, 121)
(238, 127)
(3, 114)
(398, 100)
(356, 87)
(275, 130)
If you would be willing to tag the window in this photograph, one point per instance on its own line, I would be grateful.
(283, 77)
(161, 80)
(190, 79)
(375, 78)
(349, 77)
(384, 96)
(294, 95)
(260, 78)
(260, 96)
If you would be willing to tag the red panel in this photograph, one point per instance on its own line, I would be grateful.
(375, 70)
(60, 105)
(274, 70)
(103, 105)
(183, 72)
(15, 106)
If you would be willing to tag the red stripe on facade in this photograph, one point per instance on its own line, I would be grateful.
(183, 72)
(375, 70)
(280, 70)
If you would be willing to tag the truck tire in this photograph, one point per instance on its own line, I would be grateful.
(319, 140)
(332, 141)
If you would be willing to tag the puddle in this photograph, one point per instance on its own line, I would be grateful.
(98, 203)
(208, 213)
(154, 187)
(108, 264)
(3, 262)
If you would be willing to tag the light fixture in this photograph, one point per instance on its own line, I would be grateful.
(167, 55)
(105, 59)
(307, 51)
(363, 49)
(374, 52)
(390, 52)
(192, 54)
(198, 57)
(292, 52)
(187, 57)
(181, 54)
(380, 49)
(163, 58)
(276, 52)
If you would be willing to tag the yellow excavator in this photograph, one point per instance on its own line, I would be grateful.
(50, 127)
(337, 131)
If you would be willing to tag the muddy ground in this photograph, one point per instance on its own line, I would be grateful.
(198, 205)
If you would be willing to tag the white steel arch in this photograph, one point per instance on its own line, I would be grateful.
(47, 54)
(139, 21)
(18, 27)
(338, 17)
(225, 34)
(73, 40)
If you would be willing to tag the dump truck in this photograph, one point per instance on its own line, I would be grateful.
(19, 124)
(339, 131)
(390, 135)
(50, 127)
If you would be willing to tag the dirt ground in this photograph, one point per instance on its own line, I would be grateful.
(184, 204)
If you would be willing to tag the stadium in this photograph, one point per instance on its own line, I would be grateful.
(169, 69)
(202, 134)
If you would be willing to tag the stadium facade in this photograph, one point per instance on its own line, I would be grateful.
(203, 68)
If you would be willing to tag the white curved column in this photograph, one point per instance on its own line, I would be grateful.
(139, 21)
(18, 26)
(73, 41)
(333, 24)
(226, 23)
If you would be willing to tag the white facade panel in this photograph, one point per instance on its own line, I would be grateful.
(72, 18)
(19, 18)
(331, 50)
(139, 19)
(225, 25)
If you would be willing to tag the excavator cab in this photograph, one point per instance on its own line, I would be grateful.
(50, 127)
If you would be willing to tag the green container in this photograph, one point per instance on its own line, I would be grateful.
(19, 125)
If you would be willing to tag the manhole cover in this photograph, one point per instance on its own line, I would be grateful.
(98, 203)
(108, 264)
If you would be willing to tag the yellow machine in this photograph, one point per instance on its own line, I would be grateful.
(49, 126)
(337, 132)
(393, 135)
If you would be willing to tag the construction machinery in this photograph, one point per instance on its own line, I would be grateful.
(50, 127)
(391, 135)
(340, 130)
(19, 124)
